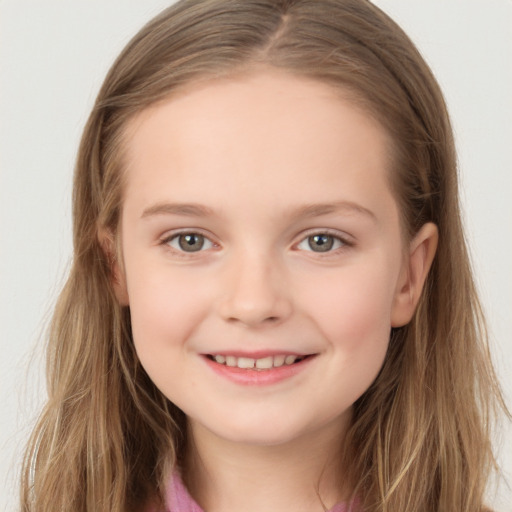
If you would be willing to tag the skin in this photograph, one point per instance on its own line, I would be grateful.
(253, 153)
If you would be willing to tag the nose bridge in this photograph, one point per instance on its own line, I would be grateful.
(254, 288)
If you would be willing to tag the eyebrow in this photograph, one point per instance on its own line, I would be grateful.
(184, 209)
(309, 210)
(319, 209)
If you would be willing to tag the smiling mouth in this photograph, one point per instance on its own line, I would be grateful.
(264, 363)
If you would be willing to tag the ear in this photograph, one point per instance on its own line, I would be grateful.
(422, 250)
(117, 276)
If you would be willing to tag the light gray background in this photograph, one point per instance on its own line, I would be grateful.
(53, 57)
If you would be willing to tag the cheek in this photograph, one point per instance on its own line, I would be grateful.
(165, 307)
(353, 309)
(354, 319)
(165, 311)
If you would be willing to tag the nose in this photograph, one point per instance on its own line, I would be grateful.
(254, 292)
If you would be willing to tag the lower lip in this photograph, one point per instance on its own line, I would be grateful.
(252, 377)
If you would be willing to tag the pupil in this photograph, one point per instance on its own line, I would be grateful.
(321, 243)
(191, 242)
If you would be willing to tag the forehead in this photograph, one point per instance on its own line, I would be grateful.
(269, 130)
(258, 98)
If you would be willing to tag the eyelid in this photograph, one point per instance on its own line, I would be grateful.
(345, 239)
(165, 240)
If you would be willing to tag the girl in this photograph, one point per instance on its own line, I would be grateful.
(270, 306)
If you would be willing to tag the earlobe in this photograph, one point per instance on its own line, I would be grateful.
(422, 250)
(117, 277)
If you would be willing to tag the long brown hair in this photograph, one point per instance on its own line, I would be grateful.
(420, 440)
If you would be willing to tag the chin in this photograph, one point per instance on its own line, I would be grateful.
(261, 431)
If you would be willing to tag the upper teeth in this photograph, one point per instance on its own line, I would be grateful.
(264, 363)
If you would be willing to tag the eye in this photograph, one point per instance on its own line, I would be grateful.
(321, 242)
(189, 242)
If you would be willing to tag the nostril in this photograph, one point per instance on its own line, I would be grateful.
(270, 320)
(251, 306)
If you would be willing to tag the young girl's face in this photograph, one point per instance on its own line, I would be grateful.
(263, 259)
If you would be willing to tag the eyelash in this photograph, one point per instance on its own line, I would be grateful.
(167, 240)
(343, 242)
(340, 243)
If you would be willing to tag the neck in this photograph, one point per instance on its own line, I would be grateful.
(300, 475)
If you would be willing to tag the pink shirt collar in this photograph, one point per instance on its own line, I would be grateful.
(179, 500)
